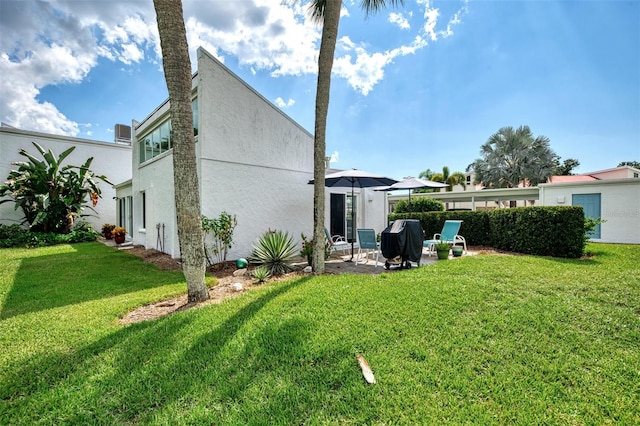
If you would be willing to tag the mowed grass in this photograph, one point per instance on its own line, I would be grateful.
(484, 339)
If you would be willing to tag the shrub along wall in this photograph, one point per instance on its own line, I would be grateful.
(543, 231)
(474, 228)
(546, 231)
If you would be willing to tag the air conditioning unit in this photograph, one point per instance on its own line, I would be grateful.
(122, 134)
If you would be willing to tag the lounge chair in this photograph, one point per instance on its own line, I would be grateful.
(337, 242)
(367, 241)
(449, 234)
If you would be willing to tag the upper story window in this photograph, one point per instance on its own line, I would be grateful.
(159, 139)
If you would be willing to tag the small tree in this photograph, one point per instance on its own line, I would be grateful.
(635, 164)
(51, 196)
(222, 231)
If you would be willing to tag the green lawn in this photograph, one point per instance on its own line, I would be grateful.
(478, 340)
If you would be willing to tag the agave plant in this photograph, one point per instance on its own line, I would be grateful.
(274, 249)
(261, 274)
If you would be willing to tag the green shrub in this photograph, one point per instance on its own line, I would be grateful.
(17, 236)
(543, 231)
(221, 230)
(474, 228)
(419, 204)
(51, 196)
(274, 250)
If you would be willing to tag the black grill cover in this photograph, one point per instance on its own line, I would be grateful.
(402, 238)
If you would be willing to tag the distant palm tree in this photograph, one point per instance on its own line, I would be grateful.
(512, 157)
(177, 72)
(452, 179)
(326, 12)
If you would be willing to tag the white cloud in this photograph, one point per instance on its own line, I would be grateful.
(334, 157)
(59, 41)
(280, 103)
(399, 20)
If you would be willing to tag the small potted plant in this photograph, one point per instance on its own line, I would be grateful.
(442, 249)
(107, 230)
(119, 234)
(457, 251)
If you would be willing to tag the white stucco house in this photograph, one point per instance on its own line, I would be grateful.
(109, 158)
(253, 162)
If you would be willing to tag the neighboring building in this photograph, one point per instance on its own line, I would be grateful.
(611, 194)
(616, 201)
(253, 162)
(110, 159)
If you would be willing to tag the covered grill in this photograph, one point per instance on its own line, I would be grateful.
(401, 242)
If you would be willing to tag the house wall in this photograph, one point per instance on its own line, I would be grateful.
(620, 205)
(255, 161)
(616, 173)
(109, 159)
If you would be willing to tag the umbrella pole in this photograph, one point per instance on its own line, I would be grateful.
(352, 224)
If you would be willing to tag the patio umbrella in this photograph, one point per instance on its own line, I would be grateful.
(413, 183)
(355, 178)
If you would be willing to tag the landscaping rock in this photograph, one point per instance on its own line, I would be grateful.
(237, 287)
(240, 272)
(307, 269)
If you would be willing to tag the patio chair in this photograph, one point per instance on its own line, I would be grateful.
(337, 242)
(367, 241)
(449, 234)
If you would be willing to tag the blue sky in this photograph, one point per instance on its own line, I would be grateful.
(416, 87)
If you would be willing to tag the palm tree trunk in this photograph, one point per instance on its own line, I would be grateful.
(177, 71)
(325, 64)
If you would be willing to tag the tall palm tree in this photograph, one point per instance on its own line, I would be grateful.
(326, 12)
(177, 72)
(514, 156)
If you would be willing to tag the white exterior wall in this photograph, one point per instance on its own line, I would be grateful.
(255, 161)
(620, 205)
(109, 159)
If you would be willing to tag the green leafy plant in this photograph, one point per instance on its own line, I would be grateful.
(590, 225)
(221, 229)
(17, 236)
(261, 274)
(442, 246)
(307, 249)
(419, 204)
(274, 249)
(51, 196)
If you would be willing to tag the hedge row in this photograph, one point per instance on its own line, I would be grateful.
(542, 231)
(17, 236)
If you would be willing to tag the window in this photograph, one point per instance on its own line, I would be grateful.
(144, 210)
(122, 212)
(194, 108)
(158, 140)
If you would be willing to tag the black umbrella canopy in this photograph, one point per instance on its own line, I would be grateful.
(355, 178)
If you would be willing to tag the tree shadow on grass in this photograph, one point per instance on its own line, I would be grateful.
(93, 271)
(151, 368)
